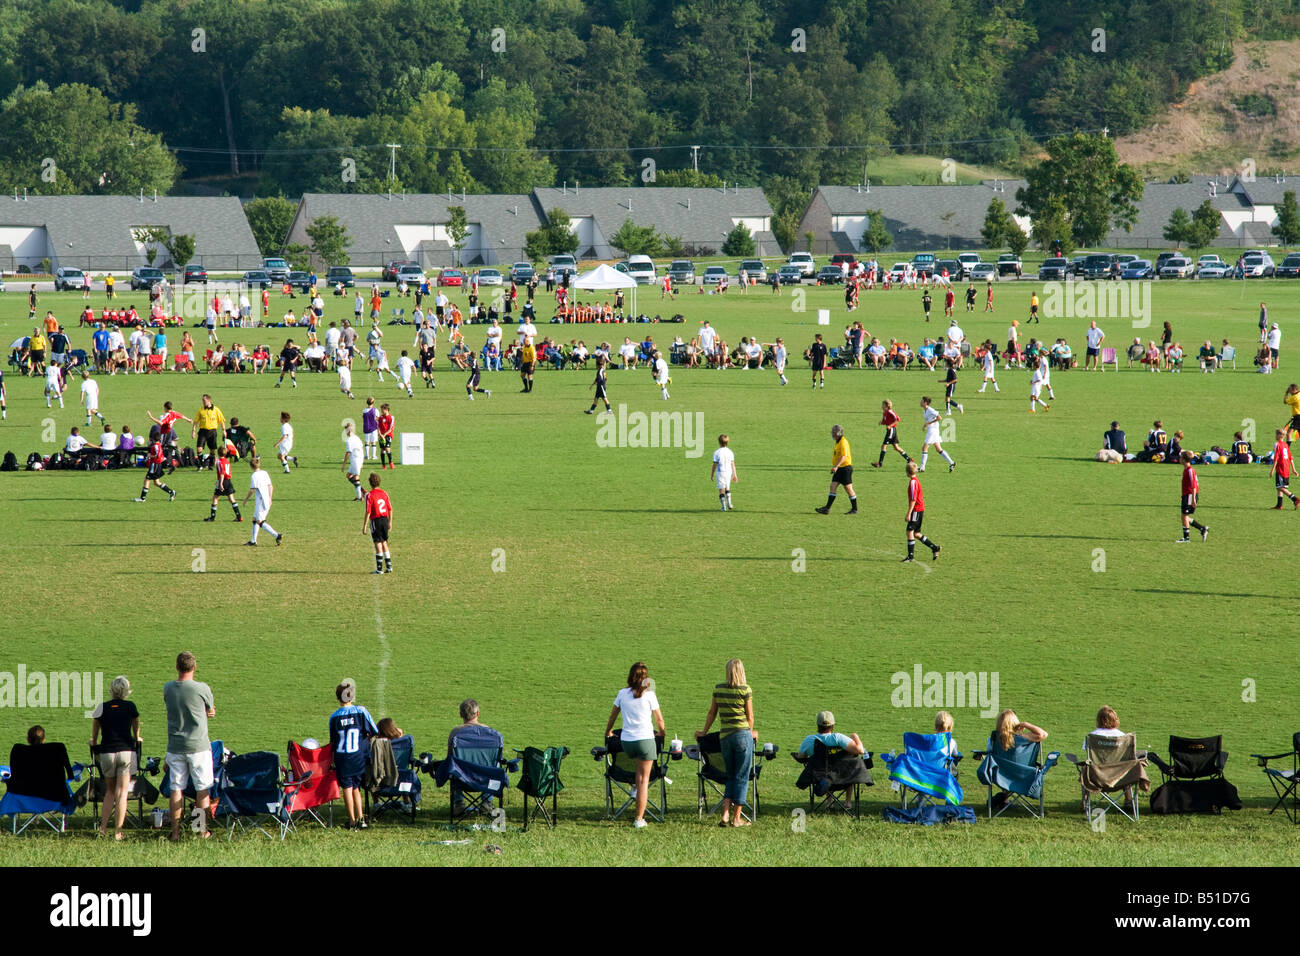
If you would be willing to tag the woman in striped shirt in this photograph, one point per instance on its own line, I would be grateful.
(733, 706)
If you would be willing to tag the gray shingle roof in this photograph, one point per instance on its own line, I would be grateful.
(915, 214)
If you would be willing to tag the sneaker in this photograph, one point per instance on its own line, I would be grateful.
(214, 517)
(171, 495)
(934, 556)
(820, 511)
(876, 464)
(250, 544)
(592, 411)
(362, 824)
(851, 511)
(909, 559)
(470, 397)
(1181, 540)
(952, 467)
(961, 408)
(376, 571)
(1277, 507)
(1047, 408)
(487, 392)
(239, 517)
(1205, 533)
(639, 824)
(137, 499)
(278, 538)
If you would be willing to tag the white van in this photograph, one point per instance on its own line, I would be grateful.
(642, 269)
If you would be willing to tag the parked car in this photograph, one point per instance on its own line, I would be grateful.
(1211, 267)
(146, 277)
(1257, 266)
(1125, 258)
(276, 268)
(754, 270)
(412, 275)
(715, 274)
(490, 277)
(968, 260)
(804, 260)
(389, 273)
(641, 268)
(562, 265)
(299, 280)
(789, 275)
(257, 279)
(1097, 266)
(1165, 257)
(65, 279)
(1076, 266)
(830, 275)
(983, 272)
(844, 257)
(956, 271)
(1054, 270)
(923, 263)
(521, 272)
(195, 273)
(1179, 267)
(340, 274)
(898, 271)
(452, 277)
(1009, 265)
(1138, 269)
(682, 272)
(1290, 267)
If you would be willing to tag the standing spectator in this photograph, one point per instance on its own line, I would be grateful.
(1094, 337)
(1274, 345)
(639, 706)
(351, 728)
(189, 752)
(119, 722)
(733, 706)
(1263, 323)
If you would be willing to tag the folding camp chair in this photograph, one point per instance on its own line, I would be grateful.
(1229, 354)
(1018, 773)
(1193, 781)
(539, 778)
(398, 317)
(620, 776)
(219, 757)
(36, 784)
(181, 363)
(318, 786)
(711, 775)
(141, 789)
(403, 796)
(1109, 357)
(925, 772)
(1111, 765)
(155, 364)
(834, 777)
(476, 770)
(1284, 780)
(253, 795)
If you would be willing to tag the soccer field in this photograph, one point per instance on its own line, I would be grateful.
(533, 565)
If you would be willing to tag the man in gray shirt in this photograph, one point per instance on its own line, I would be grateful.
(189, 752)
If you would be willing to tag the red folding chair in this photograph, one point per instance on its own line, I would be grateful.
(155, 364)
(319, 788)
(182, 364)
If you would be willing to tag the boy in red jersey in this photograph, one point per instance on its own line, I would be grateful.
(1191, 491)
(155, 461)
(385, 436)
(915, 514)
(889, 418)
(379, 522)
(225, 485)
(168, 434)
(1283, 466)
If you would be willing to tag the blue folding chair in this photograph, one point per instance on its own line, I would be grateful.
(925, 772)
(403, 796)
(477, 771)
(253, 795)
(1018, 772)
(36, 784)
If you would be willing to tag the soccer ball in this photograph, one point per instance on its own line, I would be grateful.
(311, 743)
(1157, 457)
(1223, 459)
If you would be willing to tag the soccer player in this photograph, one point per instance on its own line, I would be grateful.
(915, 515)
(600, 383)
(950, 387)
(1292, 400)
(169, 417)
(1045, 368)
(379, 522)
(209, 430)
(948, 300)
(990, 370)
(370, 428)
(345, 376)
(350, 726)
(970, 297)
(225, 486)
(723, 471)
(926, 302)
(1283, 466)
(475, 373)
(889, 418)
(353, 455)
(817, 353)
(405, 366)
(90, 396)
(154, 462)
(841, 472)
(932, 419)
(1036, 388)
(259, 485)
(290, 356)
(53, 383)
(385, 422)
(661, 374)
(4, 410)
(375, 335)
(778, 360)
(286, 443)
(988, 302)
(1191, 492)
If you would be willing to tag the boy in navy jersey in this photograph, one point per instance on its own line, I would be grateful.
(351, 728)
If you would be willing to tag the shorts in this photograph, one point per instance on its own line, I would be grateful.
(1011, 346)
(1187, 504)
(1036, 389)
(207, 437)
(891, 437)
(914, 519)
(259, 513)
(378, 530)
(116, 764)
(1295, 423)
(354, 464)
(283, 448)
(526, 368)
(843, 475)
(154, 473)
(640, 749)
(374, 352)
(1092, 353)
(184, 769)
(1272, 353)
(371, 437)
(345, 378)
(931, 436)
(1282, 482)
(819, 367)
(38, 355)
(224, 489)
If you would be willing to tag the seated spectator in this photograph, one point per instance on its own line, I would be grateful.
(217, 359)
(943, 725)
(389, 730)
(108, 440)
(315, 357)
(927, 354)
(578, 355)
(126, 442)
(1107, 725)
(1136, 352)
(826, 735)
(903, 357)
(1157, 442)
(753, 353)
(876, 353)
(1175, 449)
(236, 357)
(261, 359)
(492, 356)
(647, 349)
(1174, 357)
(76, 444)
(1032, 350)
(1208, 358)
(473, 733)
(627, 351)
(1151, 358)
(1241, 452)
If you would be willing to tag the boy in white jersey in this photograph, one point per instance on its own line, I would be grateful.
(345, 377)
(990, 371)
(405, 366)
(259, 485)
(661, 374)
(778, 359)
(1036, 389)
(723, 471)
(285, 446)
(932, 420)
(53, 383)
(353, 456)
(90, 396)
(1045, 369)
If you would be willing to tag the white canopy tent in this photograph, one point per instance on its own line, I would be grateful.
(607, 277)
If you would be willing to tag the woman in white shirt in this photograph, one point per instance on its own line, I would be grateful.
(640, 709)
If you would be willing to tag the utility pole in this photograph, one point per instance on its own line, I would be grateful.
(392, 162)
(695, 158)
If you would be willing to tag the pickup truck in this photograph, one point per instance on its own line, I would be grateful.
(1009, 265)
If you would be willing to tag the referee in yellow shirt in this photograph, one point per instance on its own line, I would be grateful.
(527, 362)
(841, 472)
(209, 429)
(1292, 399)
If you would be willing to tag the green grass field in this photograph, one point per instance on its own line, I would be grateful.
(615, 554)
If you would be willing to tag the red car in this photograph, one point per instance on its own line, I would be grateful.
(451, 277)
(390, 271)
